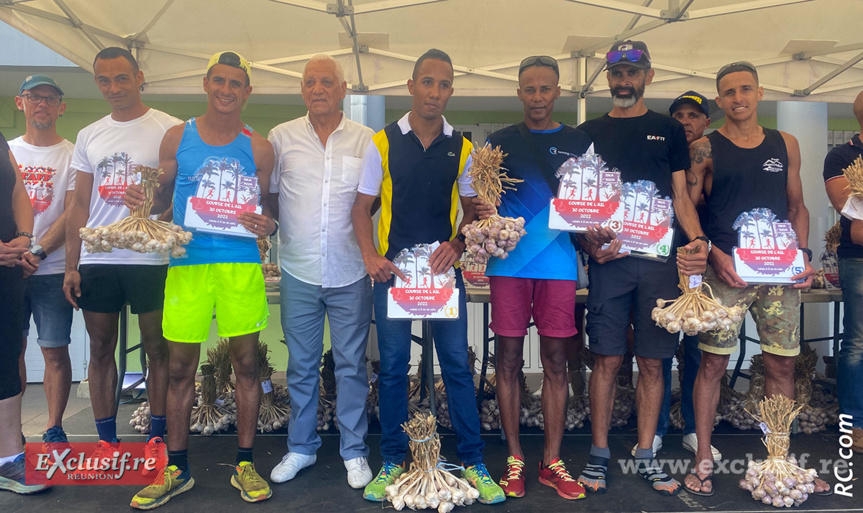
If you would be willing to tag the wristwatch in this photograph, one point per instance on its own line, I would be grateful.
(25, 234)
(705, 239)
(461, 237)
(39, 252)
(808, 253)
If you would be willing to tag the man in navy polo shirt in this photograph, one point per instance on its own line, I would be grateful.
(419, 165)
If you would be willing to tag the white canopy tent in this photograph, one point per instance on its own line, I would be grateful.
(805, 49)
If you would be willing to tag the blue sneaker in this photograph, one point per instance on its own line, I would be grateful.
(55, 435)
(12, 477)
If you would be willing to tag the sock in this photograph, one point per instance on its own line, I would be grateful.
(643, 454)
(661, 482)
(9, 459)
(594, 473)
(179, 458)
(107, 429)
(157, 427)
(244, 454)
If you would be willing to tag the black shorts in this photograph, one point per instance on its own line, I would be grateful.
(11, 341)
(106, 287)
(627, 285)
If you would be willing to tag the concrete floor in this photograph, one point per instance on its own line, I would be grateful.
(34, 409)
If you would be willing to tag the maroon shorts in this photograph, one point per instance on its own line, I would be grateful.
(551, 303)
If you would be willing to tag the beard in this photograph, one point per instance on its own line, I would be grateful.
(626, 102)
(42, 126)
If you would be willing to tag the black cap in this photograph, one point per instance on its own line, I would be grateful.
(613, 58)
(693, 98)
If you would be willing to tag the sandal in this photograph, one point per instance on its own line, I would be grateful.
(707, 479)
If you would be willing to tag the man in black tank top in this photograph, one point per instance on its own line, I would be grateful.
(741, 167)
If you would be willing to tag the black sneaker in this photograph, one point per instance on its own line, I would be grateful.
(12, 477)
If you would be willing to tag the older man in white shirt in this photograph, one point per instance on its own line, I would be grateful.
(318, 160)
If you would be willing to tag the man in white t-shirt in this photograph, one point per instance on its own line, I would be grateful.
(313, 188)
(44, 157)
(105, 157)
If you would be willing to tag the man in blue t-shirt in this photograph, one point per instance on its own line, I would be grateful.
(538, 278)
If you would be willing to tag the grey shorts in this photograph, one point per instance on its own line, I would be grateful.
(52, 314)
(627, 286)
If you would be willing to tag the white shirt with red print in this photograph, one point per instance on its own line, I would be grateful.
(111, 151)
(45, 170)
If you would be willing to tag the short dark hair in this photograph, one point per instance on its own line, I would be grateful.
(434, 53)
(113, 52)
(735, 67)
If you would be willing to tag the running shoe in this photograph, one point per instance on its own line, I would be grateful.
(12, 477)
(489, 491)
(513, 481)
(252, 487)
(171, 483)
(556, 476)
(376, 491)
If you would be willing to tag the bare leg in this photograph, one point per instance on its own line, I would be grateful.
(705, 398)
(102, 370)
(181, 392)
(156, 348)
(244, 357)
(648, 397)
(58, 382)
(10, 426)
(603, 381)
(554, 393)
(509, 361)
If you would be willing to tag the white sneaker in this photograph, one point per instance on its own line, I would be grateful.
(690, 443)
(291, 463)
(359, 473)
(657, 445)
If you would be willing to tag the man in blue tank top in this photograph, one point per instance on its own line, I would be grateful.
(740, 167)
(220, 271)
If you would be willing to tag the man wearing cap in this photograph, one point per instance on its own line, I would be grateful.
(693, 112)
(419, 166)
(219, 271)
(106, 154)
(44, 157)
(643, 145)
(314, 185)
(849, 378)
(740, 167)
(538, 278)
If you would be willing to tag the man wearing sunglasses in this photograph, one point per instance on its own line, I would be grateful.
(44, 159)
(740, 167)
(643, 145)
(538, 278)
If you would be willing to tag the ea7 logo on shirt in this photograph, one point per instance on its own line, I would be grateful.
(773, 166)
(655, 137)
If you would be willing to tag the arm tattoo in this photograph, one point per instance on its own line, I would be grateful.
(691, 179)
(699, 152)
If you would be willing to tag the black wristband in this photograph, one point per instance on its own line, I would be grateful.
(808, 253)
(461, 237)
(276, 230)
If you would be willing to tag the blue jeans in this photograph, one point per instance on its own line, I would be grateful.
(691, 362)
(850, 360)
(394, 344)
(349, 310)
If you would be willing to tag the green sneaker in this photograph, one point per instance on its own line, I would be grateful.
(489, 491)
(376, 491)
(171, 483)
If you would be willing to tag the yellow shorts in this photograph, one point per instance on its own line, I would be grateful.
(192, 292)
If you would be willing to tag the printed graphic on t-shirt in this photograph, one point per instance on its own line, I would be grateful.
(766, 249)
(116, 172)
(39, 183)
(773, 165)
(223, 192)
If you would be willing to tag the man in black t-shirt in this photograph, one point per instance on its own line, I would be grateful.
(643, 145)
(850, 372)
(741, 167)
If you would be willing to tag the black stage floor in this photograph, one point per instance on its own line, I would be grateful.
(323, 487)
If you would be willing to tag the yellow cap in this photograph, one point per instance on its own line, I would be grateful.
(232, 59)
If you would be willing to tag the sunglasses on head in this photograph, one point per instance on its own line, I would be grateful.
(736, 66)
(630, 55)
(539, 60)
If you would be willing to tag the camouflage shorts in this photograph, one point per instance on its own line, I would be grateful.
(775, 309)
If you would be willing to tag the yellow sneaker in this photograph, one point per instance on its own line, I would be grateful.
(252, 486)
(173, 482)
